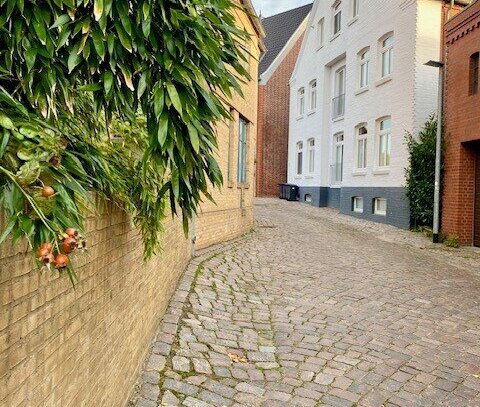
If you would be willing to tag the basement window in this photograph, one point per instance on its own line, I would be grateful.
(357, 204)
(380, 206)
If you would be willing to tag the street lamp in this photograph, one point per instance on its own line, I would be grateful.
(438, 151)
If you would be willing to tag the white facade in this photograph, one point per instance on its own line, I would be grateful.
(371, 88)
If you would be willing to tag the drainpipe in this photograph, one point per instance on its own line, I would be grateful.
(438, 151)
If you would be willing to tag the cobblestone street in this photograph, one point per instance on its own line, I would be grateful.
(312, 309)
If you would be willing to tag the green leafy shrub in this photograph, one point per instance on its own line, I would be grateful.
(420, 175)
(73, 72)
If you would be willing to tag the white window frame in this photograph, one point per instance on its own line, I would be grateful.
(364, 68)
(339, 147)
(386, 55)
(376, 206)
(313, 96)
(336, 18)
(361, 147)
(242, 151)
(299, 158)
(321, 32)
(301, 102)
(384, 143)
(311, 155)
(355, 8)
(357, 204)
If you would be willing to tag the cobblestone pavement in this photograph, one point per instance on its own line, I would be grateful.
(313, 311)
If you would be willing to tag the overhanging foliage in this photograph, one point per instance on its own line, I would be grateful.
(167, 61)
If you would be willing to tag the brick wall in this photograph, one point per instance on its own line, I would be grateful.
(274, 100)
(462, 121)
(84, 347)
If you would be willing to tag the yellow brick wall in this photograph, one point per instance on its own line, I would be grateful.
(232, 213)
(84, 347)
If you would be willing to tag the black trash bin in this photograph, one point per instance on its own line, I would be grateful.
(292, 192)
(288, 192)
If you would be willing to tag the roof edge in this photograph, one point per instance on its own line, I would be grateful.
(257, 23)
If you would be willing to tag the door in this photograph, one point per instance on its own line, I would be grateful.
(476, 221)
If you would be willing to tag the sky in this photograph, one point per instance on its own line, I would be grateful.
(271, 7)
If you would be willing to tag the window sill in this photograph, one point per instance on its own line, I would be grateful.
(384, 80)
(231, 184)
(381, 171)
(335, 36)
(311, 112)
(243, 185)
(300, 117)
(353, 21)
(319, 48)
(358, 173)
(338, 119)
(309, 177)
(362, 90)
(380, 214)
(357, 211)
(298, 177)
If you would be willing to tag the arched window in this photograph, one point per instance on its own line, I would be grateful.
(386, 55)
(311, 155)
(364, 68)
(361, 147)
(299, 158)
(301, 101)
(384, 141)
(313, 95)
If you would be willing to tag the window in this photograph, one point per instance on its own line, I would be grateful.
(231, 141)
(301, 101)
(474, 73)
(355, 8)
(357, 204)
(299, 158)
(339, 96)
(311, 155)
(321, 32)
(361, 148)
(337, 18)
(242, 151)
(313, 95)
(338, 158)
(384, 142)
(386, 54)
(364, 71)
(380, 206)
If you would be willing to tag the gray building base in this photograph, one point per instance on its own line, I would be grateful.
(398, 210)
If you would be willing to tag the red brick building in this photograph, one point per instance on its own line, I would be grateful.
(284, 34)
(461, 193)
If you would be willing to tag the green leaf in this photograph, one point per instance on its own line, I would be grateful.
(192, 131)
(108, 82)
(61, 20)
(30, 57)
(74, 59)
(99, 43)
(162, 129)
(8, 228)
(98, 9)
(173, 94)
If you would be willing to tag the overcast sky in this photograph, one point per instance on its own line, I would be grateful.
(271, 7)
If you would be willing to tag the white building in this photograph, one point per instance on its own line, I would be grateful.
(359, 85)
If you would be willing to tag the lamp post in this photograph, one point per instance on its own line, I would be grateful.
(438, 151)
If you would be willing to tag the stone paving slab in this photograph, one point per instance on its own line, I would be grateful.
(311, 310)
